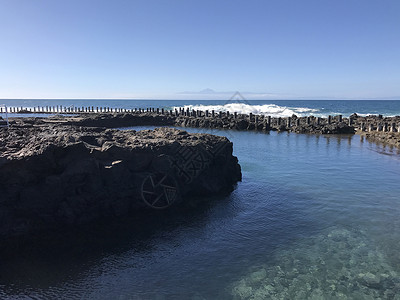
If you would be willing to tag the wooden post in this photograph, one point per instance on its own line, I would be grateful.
(220, 114)
(318, 120)
(308, 120)
(235, 115)
(329, 119)
(385, 127)
(207, 113)
(393, 127)
(227, 113)
(213, 113)
(370, 127)
(289, 122)
(279, 121)
(298, 122)
(340, 118)
(250, 117)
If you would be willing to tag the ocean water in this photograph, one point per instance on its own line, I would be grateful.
(315, 217)
(277, 108)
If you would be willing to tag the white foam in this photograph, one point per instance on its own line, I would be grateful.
(272, 110)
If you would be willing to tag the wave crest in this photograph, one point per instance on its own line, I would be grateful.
(272, 110)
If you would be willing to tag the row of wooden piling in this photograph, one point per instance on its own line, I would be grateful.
(181, 112)
(59, 109)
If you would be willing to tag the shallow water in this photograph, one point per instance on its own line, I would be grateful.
(315, 217)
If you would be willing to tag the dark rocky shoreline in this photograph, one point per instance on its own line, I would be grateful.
(69, 170)
(54, 175)
(385, 130)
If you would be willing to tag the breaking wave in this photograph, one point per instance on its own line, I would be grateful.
(266, 109)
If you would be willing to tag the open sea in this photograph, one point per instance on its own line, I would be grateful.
(277, 108)
(315, 217)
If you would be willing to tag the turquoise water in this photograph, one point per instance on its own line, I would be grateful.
(315, 217)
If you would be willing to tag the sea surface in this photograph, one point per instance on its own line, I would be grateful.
(277, 108)
(315, 217)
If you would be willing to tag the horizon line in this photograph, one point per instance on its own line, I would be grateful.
(171, 99)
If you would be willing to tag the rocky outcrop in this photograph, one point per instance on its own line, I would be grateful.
(115, 120)
(57, 175)
(384, 138)
(3, 122)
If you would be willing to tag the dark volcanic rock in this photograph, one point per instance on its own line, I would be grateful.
(383, 138)
(55, 175)
(114, 120)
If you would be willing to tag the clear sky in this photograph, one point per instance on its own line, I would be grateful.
(174, 49)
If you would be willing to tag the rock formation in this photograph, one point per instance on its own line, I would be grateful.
(63, 175)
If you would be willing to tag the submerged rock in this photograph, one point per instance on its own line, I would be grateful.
(340, 264)
(53, 175)
(258, 275)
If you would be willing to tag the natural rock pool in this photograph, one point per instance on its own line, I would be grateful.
(315, 217)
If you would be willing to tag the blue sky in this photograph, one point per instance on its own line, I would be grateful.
(337, 49)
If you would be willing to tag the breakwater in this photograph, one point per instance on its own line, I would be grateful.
(111, 117)
(108, 117)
